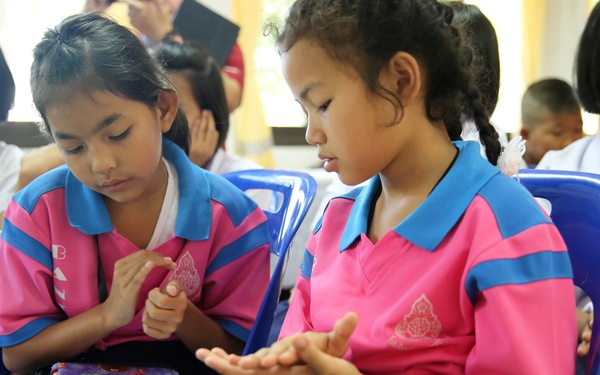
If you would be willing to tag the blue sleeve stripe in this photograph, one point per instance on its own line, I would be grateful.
(526, 269)
(26, 244)
(27, 331)
(28, 198)
(235, 329)
(307, 265)
(506, 197)
(243, 245)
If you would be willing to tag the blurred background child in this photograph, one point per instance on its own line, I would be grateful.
(198, 81)
(551, 118)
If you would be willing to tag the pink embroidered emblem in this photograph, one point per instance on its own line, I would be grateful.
(420, 325)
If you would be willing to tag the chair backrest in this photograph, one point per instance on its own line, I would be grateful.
(575, 200)
(294, 192)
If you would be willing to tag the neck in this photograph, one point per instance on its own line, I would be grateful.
(420, 165)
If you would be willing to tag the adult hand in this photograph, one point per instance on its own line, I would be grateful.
(150, 17)
(165, 310)
(204, 138)
(129, 274)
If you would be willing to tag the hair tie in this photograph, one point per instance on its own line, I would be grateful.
(509, 160)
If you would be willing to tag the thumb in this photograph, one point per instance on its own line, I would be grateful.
(172, 288)
(339, 338)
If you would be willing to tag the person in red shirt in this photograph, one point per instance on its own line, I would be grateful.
(154, 20)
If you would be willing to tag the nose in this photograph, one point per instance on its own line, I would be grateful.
(102, 160)
(314, 134)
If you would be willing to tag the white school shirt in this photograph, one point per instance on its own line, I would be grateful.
(582, 155)
(224, 162)
(10, 168)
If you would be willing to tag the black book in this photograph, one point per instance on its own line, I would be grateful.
(215, 33)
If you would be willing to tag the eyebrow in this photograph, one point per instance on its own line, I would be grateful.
(104, 123)
(308, 88)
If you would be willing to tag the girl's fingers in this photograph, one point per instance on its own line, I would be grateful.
(339, 338)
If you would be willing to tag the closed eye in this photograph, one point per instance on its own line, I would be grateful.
(74, 151)
(121, 136)
(323, 107)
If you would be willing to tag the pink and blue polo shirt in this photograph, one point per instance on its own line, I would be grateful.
(49, 257)
(477, 280)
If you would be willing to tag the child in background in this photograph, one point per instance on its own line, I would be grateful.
(442, 257)
(551, 118)
(130, 254)
(197, 79)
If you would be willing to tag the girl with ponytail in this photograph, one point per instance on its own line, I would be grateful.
(438, 263)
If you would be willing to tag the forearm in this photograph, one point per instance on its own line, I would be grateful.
(60, 341)
(200, 331)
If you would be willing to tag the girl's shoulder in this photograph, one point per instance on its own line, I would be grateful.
(511, 204)
(43, 184)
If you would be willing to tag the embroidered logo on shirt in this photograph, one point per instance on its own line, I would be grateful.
(419, 328)
(187, 275)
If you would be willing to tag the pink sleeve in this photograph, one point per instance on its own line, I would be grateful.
(232, 293)
(27, 279)
(517, 334)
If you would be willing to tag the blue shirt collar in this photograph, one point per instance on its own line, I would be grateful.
(87, 212)
(429, 224)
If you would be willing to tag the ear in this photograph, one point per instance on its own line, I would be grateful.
(403, 76)
(524, 133)
(168, 104)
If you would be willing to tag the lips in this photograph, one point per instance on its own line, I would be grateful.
(330, 164)
(115, 185)
(112, 183)
(323, 157)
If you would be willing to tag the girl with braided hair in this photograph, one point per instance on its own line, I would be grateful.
(437, 265)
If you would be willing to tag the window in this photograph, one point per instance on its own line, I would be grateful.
(22, 24)
(280, 108)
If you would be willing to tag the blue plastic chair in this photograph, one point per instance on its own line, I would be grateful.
(575, 200)
(294, 192)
